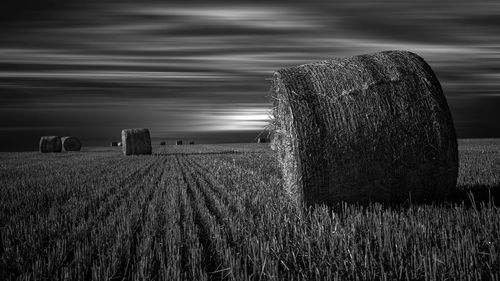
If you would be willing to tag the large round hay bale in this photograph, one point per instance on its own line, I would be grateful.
(136, 141)
(367, 128)
(178, 142)
(71, 143)
(50, 144)
(163, 143)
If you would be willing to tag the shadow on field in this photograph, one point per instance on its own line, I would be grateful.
(475, 194)
(205, 153)
(470, 196)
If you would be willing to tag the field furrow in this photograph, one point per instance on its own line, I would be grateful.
(249, 182)
(213, 231)
(121, 229)
(72, 188)
(224, 206)
(96, 210)
(140, 217)
(220, 213)
(160, 247)
(192, 252)
(71, 224)
(207, 175)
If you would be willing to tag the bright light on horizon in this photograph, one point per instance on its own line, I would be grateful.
(242, 119)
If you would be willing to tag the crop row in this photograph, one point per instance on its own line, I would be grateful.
(224, 216)
(60, 223)
(410, 242)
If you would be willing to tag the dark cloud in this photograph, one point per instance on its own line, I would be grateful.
(17, 10)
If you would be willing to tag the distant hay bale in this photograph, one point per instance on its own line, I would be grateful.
(178, 142)
(71, 143)
(261, 140)
(163, 143)
(136, 141)
(113, 143)
(191, 142)
(50, 144)
(367, 128)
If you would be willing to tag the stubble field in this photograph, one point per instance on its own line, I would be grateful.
(218, 212)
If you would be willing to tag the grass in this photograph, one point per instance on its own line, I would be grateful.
(217, 212)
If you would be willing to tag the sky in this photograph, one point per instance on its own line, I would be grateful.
(201, 69)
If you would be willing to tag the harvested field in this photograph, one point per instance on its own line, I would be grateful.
(212, 212)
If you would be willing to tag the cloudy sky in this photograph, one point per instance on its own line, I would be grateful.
(200, 69)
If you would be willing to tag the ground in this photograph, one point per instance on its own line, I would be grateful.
(197, 212)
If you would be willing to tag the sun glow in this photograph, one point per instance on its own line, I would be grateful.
(235, 120)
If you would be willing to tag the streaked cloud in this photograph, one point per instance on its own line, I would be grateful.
(260, 17)
(203, 67)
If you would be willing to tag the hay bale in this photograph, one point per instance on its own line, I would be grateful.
(136, 141)
(261, 140)
(71, 143)
(367, 128)
(50, 144)
(191, 142)
(163, 143)
(113, 143)
(178, 142)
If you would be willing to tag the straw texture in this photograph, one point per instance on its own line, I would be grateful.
(368, 128)
(261, 140)
(136, 141)
(50, 144)
(71, 143)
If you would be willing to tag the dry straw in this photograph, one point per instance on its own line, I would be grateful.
(367, 128)
(50, 144)
(71, 143)
(136, 141)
